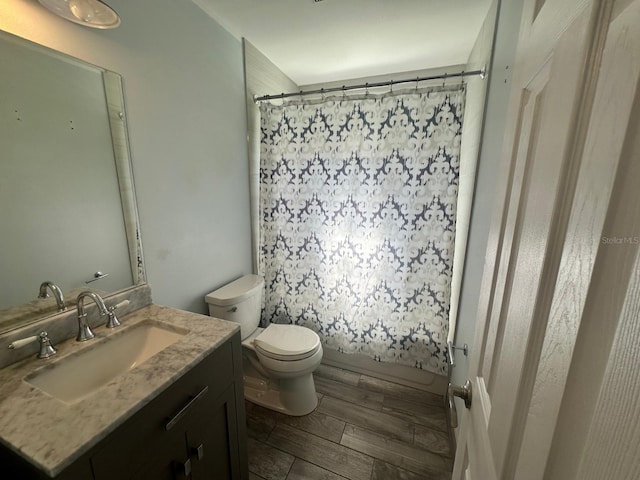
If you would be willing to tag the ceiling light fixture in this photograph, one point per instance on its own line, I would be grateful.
(90, 13)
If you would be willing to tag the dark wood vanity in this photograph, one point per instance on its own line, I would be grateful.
(194, 429)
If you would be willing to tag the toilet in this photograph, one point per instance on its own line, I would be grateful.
(278, 361)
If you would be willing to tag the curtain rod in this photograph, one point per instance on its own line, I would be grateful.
(443, 76)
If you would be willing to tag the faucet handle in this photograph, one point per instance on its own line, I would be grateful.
(46, 349)
(22, 342)
(113, 321)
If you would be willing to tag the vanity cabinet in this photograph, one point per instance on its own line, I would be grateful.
(193, 430)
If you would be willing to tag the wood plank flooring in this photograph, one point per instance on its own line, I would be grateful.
(363, 429)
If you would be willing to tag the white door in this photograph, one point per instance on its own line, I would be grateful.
(555, 363)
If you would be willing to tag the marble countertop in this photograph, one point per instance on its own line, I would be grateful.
(51, 434)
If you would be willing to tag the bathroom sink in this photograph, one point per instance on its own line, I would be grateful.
(82, 373)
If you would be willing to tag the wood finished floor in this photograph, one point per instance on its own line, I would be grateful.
(363, 429)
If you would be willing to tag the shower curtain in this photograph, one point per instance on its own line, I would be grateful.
(357, 220)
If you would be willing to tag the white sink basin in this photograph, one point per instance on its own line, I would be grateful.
(81, 374)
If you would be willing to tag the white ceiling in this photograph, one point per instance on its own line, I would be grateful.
(329, 40)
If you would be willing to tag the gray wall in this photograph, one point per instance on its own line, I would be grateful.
(479, 58)
(262, 77)
(486, 176)
(184, 92)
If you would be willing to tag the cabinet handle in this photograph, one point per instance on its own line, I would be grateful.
(183, 469)
(198, 451)
(176, 418)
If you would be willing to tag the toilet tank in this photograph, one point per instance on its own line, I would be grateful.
(238, 301)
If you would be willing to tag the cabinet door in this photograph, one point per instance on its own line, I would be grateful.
(169, 462)
(134, 455)
(212, 439)
(152, 443)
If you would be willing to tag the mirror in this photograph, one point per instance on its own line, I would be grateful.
(68, 211)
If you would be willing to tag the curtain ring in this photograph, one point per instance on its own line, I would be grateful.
(391, 86)
(322, 94)
(444, 79)
(462, 76)
(366, 89)
(344, 92)
(417, 80)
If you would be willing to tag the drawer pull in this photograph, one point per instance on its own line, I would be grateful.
(176, 418)
(183, 469)
(198, 451)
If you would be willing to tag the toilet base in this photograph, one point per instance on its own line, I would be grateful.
(292, 396)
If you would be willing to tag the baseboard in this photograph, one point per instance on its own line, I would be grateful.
(411, 377)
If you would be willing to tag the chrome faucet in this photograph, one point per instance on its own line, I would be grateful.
(84, 331)
(57, 293)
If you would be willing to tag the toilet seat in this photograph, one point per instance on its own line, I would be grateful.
(287, 342)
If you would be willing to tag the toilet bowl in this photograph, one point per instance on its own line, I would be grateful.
(279, 360)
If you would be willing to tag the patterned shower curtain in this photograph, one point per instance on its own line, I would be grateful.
(358, 212)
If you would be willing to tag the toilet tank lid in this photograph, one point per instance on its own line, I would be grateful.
(235, 291)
